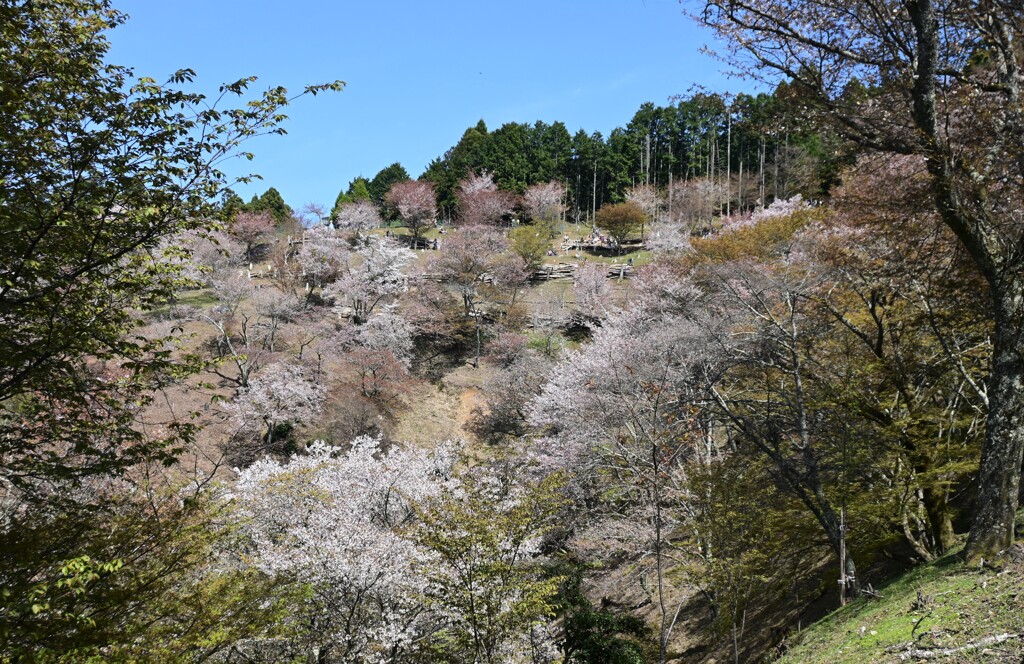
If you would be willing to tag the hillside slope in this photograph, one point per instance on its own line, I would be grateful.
(942, 611)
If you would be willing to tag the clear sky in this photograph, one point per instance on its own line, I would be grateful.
(418, 73)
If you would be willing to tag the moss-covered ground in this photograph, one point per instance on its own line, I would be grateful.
(942, 611)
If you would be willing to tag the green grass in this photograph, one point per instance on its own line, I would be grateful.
(198, 298)
(428, 232)
(641, 257)
(934, 607)
(203, 298)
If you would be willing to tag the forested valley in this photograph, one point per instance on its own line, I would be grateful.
(674, 394)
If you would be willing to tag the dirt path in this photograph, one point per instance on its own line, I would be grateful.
(444, 410)
(430, 418)
(469, 400)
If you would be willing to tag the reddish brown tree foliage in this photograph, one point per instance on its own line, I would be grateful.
(621, 219)
(481, 202)
(253, 229)
(415, 202)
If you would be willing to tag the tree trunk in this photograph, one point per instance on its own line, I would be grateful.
(940, 520)
(835, 530)
(728, 165)
(476, 362)
(807, 487)
(997, 256)
(992, 529)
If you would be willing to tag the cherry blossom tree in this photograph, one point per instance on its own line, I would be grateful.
(693, 203)
(646, 197)
(381, 355)
(281, 394)
(550, 315)
(778, 208)
(333, 521)
(465, 257)
(230, 289)
(619, 413)
(311, 215)
(395, 557)
(321, 341)
(507, 395)
(324, 255)
(373, 274)
(356, 217)
(437, 315)
(274, 309)
(481, 202)
(593, 292)
(601, 391)
(247, 325)
(544, 201)
(510, 274)
(505, 348)
(669, 237)
(211, 255)
(254, 230)
(388, 330)
(416, 204)
(666, 289)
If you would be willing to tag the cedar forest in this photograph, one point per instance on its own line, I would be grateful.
(670, 394)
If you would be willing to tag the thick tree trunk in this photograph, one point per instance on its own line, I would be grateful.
(1003, 452)
(997, 256)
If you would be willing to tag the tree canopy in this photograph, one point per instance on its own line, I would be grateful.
(897, 79)
(101, 171)
(805, 370)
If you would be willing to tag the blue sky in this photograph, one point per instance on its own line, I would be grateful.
(418, 73)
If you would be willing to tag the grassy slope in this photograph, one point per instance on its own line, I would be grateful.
(941, 611)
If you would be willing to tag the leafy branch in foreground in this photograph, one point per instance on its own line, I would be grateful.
(97, 172)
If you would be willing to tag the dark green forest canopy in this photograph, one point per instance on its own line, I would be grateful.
(763, 136)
